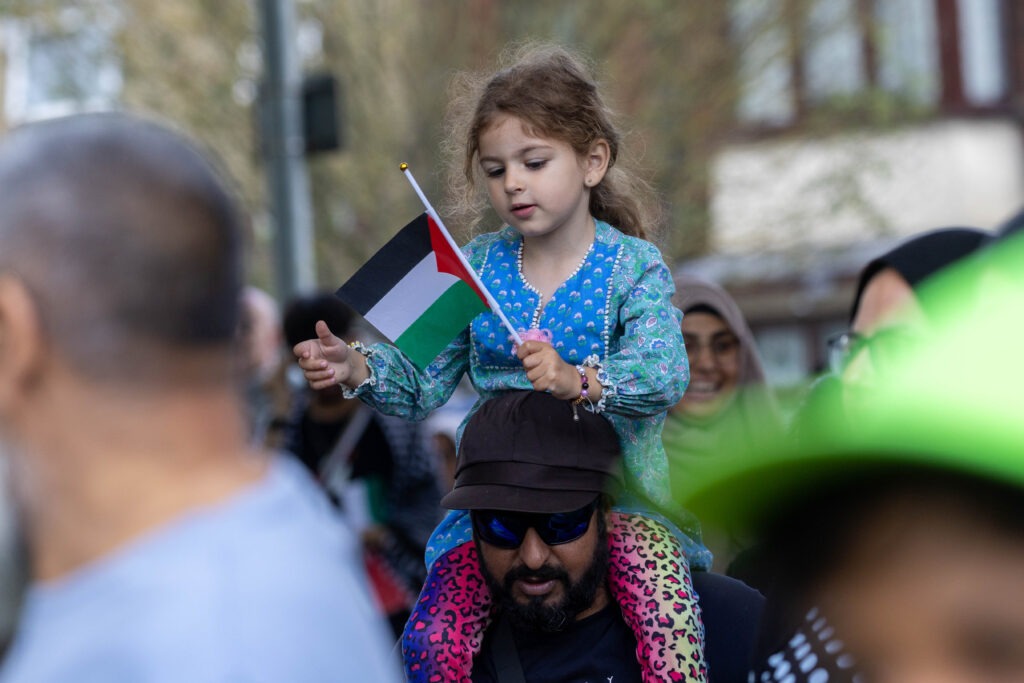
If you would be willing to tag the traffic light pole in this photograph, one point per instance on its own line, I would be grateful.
(283, 149)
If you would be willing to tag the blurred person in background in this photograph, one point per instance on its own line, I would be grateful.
(443, 427)
(161, 546)
(728, 403)
(266, 388)
(382, 470)
(316, 418)
(885, 308)
(894, 526)
(886, 303)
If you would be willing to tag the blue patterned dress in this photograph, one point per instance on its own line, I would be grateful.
(613, 314)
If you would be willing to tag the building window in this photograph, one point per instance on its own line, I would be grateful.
(983, 68)
(796, 56)
(833, 54)
(67, 65)
(906, 37)
(765, 73)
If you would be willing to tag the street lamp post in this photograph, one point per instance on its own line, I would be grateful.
(283, 149)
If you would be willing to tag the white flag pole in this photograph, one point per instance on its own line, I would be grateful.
(455, 247)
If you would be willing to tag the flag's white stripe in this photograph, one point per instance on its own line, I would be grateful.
(407, 300)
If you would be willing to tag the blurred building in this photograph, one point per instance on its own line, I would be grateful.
(59, 63)
(860, 122)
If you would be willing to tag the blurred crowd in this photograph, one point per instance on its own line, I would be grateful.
(386, 475)
(879, 524)
(850, 532)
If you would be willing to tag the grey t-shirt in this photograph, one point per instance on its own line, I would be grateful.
(264, 586)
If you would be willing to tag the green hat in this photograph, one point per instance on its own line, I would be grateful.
(955, 401)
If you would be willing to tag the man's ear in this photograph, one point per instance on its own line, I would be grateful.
(596, 162)
(21, 342)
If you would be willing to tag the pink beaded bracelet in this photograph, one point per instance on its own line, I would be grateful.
(584, 384)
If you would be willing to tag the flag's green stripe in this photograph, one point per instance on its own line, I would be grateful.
(439, 324)
(408, 299)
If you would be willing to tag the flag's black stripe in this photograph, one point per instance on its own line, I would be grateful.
(388, 266)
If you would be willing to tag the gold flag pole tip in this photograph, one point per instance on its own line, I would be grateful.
(403, 166)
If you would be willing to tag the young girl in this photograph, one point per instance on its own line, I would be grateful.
(571, 266)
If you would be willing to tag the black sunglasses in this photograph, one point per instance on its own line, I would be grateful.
(508, 529)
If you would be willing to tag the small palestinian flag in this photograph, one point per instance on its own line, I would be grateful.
(416, 291)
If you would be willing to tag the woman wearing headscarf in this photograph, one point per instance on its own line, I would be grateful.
(727, 404)
(886, 299)
(885, 309)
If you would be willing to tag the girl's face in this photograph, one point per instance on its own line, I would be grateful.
(714, 353)
(539, 186)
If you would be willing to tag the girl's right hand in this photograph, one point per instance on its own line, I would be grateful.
(547, 371)
(328, 360)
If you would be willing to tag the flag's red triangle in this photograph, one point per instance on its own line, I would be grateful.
(448, 261)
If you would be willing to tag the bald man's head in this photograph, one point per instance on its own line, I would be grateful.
(127, 239)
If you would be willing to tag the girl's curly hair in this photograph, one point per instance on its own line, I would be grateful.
(552, 92)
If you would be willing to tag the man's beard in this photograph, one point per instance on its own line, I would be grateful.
(534, 615)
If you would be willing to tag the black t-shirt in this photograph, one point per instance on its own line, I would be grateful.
(597, 649)
(731, 612)
(312, 441)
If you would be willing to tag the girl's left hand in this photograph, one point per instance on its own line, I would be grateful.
(547, 371)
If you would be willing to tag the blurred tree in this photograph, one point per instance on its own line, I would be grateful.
(671, 70)
(674, 68)
(182, 62)
(360, 196)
